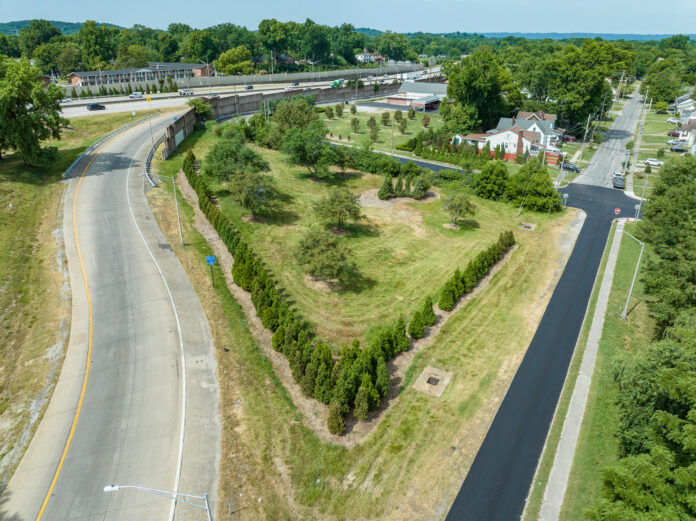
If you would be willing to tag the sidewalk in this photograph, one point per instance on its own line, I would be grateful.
(565, 452)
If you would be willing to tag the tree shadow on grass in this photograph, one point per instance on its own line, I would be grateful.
(359, 230)
(468, 224)
(352, 281)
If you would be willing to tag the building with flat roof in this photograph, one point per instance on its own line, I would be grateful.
(153, 72)
(419, 95)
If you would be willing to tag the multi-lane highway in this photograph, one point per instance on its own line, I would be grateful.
(137, 399)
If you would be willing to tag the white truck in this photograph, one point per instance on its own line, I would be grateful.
(185, 92)
(406, 76)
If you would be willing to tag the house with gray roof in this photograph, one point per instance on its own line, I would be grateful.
(543, 127)
(153, 72)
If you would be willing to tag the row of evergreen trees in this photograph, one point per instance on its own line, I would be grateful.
(359, 378)
(105, 90)
(477, 268)
(403, 188)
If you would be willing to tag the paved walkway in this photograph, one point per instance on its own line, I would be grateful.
(558, 479)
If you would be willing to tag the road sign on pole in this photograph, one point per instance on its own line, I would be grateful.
(617, 211)
(148, 98)
(210, 260)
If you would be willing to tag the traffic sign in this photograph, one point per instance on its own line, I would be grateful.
(210, 260)
(617, 211)
(148, 98)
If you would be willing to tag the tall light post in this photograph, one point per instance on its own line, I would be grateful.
(642, 246)
(168, 494)
(176, 201)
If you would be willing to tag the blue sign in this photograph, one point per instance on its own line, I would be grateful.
(175, 118)
(210, 260)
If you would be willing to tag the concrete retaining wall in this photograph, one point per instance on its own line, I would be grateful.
(178, 130)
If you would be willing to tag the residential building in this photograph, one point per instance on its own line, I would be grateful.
(153, 72)
(543, 126)
(419, 95)
(365, 57)
(513, 141)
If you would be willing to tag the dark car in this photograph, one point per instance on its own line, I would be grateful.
(673, 133)
(569, 138)
(618, 180)
(249, 87)
(95, 106)
(570, 167)
(295, 83)
(677, 148)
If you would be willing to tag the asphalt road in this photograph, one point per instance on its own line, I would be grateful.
(611, 154)
(151, 342)
(500, 477)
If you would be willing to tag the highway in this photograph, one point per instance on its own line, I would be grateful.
(137, 401)
(498, 482)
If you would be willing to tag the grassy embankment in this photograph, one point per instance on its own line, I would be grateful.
(34, 303)
(414, 462)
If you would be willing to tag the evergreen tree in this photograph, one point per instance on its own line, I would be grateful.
(382, 381)
(428, 313)
(362, 400)
(336, 422)
(399, 339)
(399, 189)
(387, 190)
(486, 152)
(415, 327)
(447, 297)
(419, 148)
(419, 188)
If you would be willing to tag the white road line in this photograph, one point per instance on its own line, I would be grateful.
(181, 339)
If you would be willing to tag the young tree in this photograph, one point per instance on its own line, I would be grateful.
(426, 121)
(353, 109)
(447, 297)
(324, 256)
(338, 206)
(415, 328)
(387, 190)
(338, 109)
(458, 206)
(372, 122)
(382, 381)
(29, 113)
(254, 191)
(366, 399)
(374, 134)
(402, 126)
(399, 188)
(375, 87)
(329, 112)
(355, 125)
(428, 313)
(336, 422)
(420, 188)
(201, 108)
(308, 147)
(398, 116)
(411, 113)
(385, 119)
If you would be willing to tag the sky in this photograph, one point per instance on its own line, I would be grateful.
(587, 16)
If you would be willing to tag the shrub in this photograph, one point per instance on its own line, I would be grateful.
(387, 190)
(336, 423)
(416, 328)
(355, 124)
(426, 121)
(428, 313)
(402, 126)
(338, 109)
(385, 118)
(329, 112)
(411, 113)
(398, 116)
(353, 110)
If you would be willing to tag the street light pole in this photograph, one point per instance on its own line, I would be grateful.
(168, 494)
(642, 246)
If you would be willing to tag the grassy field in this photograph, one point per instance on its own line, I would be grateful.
(399, 250)
(341, 127)
(273, 467)
(597, 444)
(35, 304)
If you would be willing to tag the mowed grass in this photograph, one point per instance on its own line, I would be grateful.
(34, 308)
(342, 127)
(597, 445)
(402, 252)
(273, 467)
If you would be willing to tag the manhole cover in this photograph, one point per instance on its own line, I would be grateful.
(433, 381)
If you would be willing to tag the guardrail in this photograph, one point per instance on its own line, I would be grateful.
(151, 155)
(105, 137)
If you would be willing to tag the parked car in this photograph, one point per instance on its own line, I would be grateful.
(618, 180)
(95, 106)
(570, 167)
(673, 142)
(654, 162)
(661, 112)
(289, 87)
(568, 137)
(673, 133)
(295, 83)
(66, 100)
(672, 120)
(136, 95)
(185, 92)
(249, 87)
(678, 148)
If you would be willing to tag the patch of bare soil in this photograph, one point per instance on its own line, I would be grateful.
(451, 226)
(342, 233)
(318, 285)
(315, 413)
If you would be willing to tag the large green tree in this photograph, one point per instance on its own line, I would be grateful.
(29, 112)
(324, 256)
(308, 147)
(338, 206)
(98, 44)
(231, 157)
(393, 46)
(37, 32)
(237, 60)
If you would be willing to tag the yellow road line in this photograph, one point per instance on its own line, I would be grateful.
(89, 352)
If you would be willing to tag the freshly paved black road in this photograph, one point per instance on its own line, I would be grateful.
(499, 480)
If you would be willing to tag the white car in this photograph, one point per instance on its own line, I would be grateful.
(66, 100)
(674, 121)
(136, 95)
(185, 92)
(651, 161)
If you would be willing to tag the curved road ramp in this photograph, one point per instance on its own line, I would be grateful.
(137, 399)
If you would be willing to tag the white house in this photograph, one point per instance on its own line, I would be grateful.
(514, 140)
(543, 127)
(364, 57)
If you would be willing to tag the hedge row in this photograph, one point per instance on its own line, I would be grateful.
(478, 267)
(359, 378)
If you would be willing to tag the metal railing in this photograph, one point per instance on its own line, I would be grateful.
(102, 139)
(151, 155)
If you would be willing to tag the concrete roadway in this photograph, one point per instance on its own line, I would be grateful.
(611, 154)
(150, 342)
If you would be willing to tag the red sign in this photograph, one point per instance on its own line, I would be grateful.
(617, 211)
